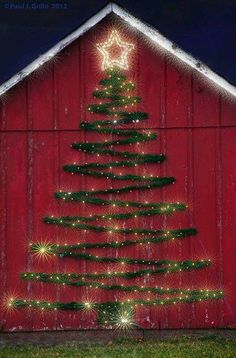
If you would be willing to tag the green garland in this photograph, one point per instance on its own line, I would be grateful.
(87, 197)
(86, 147)
(83, 196)
(66, 279)
(76, 306)
(168, 235)
(125, 260)
(109, 229)
(109, 312)
(75, 168)
(164, 208)
(173, 266)
(155, 182)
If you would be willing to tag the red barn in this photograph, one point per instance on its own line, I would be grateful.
(191, 109)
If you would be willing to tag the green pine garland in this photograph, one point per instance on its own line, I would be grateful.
(125, 260)
(70, 280)
(88, 198)
(84, 196)
(167, 235)
(173, 266)
(109, 312)
(162, 208)
(109, 229)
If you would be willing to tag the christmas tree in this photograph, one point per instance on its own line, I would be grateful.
(114, 100)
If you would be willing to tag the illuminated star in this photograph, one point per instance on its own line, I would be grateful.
(105, 48)
(42, 250)
(89, 306)
(9, 301)
(124, 319)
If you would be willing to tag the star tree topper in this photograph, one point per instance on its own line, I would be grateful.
(105, 48)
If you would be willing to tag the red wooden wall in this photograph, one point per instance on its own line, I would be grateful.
(196, 129)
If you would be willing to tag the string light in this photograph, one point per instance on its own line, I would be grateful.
(169, 235)
(107, 309)
(182, 265)
(69, 279)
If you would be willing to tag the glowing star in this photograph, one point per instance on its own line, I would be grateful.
(42, 250)
(118, 61)
(124, 319)
(9, 302)
(88, 306)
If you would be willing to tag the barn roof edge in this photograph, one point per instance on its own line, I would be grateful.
(138, 24)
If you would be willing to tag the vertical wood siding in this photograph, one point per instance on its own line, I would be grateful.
(196, 130)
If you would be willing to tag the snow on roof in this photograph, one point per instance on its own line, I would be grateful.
(155, 36)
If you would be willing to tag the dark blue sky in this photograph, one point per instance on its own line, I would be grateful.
(205, 28)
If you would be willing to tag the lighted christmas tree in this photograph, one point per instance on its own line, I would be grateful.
(115, 101)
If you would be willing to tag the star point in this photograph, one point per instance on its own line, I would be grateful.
(121, 61)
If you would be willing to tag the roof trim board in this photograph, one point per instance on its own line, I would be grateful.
(154, 35)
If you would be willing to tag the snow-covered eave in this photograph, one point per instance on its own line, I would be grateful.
(148, 31)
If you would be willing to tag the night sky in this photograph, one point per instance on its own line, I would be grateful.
(204, 28)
